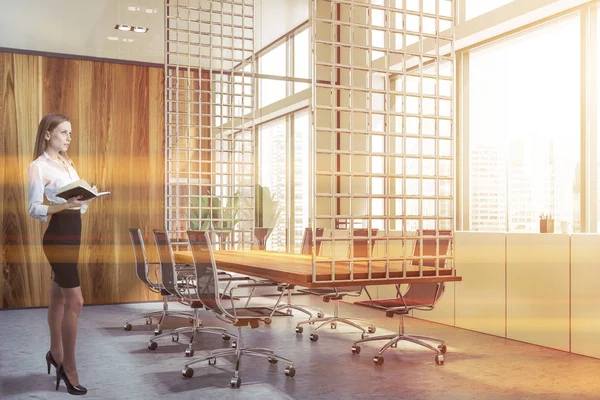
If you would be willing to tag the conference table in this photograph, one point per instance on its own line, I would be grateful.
(297, 269)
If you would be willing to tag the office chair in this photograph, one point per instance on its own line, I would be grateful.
(418, 296)
(307, 241)
(181, 285)
(141, 269)
(361, 249)
(207, 292)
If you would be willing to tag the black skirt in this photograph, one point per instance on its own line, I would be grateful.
(61, 242)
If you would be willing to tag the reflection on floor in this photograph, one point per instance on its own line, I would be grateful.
(115, 364)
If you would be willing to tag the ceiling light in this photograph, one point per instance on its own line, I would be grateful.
(133, 8)
(137, 29)
(112, 38)
(127, 40)
(150, 11)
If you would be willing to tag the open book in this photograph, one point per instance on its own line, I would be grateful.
(79, 188)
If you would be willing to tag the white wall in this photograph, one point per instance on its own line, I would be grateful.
(513, 15)
(273, 18)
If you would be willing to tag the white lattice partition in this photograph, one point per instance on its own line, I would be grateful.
(382, 115)
(209, 103)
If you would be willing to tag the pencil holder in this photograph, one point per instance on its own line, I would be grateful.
(546, 226)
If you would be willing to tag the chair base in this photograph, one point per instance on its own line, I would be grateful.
(196, 328)
(289, 306)
(189, 352)
(236, 381)
(334, 320)
(393, 340)
(161, 315)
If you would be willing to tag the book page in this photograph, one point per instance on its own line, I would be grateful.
(80, 182)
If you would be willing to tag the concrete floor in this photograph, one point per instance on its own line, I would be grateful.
(115, 364)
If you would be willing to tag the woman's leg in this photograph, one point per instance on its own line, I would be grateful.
(73, 304)
(56, 308)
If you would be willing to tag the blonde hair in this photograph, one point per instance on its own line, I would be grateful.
(47, 124)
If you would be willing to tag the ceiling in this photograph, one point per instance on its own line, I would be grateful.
(84, 28)
(87, 27)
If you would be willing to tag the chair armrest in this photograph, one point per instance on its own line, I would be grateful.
(236, 278)
(256, 284)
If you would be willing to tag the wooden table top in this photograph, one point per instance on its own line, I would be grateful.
(297, 269)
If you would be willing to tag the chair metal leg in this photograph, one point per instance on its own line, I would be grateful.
(374, 338)
(430, 339)
(144, 316)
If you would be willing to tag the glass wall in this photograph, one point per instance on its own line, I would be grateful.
(524, 130)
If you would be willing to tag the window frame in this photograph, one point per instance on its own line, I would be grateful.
(588, 119)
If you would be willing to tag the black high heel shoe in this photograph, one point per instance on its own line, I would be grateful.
(72, 389)
(50, 361)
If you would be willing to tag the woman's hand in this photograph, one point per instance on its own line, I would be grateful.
(76, 202)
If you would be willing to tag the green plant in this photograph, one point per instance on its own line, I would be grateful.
(208, 208)
(266, 208)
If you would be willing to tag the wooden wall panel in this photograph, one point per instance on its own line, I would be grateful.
(118, 142)
(21, 260)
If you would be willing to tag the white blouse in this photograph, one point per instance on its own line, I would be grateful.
(45, 177)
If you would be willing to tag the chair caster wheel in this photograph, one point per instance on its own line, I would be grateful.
(439, 359)
(189, 352)
(320, 315)
(127, 327)
(153, 346)
(187, 372)
(355, 349)
(148, 321)
(442, 348)
(378, 360)
(393, 346)
(299, 329)
(333, 325)
(175, 337)
(226, 337)
(236, 382)
(363, 335)
(290, 371)
(268, 321)
(212, 361)
(289, 312)
(157, 331)
(234, 344)
(314, 337)
(273, 360)
(371, 329)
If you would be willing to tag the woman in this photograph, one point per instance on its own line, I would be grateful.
(50, 170)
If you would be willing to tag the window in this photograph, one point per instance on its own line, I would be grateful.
(301, 181)
(273, 63)
(475, 8)
(276, 161)
(273, 176)
(524, 130)
(301, 60)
